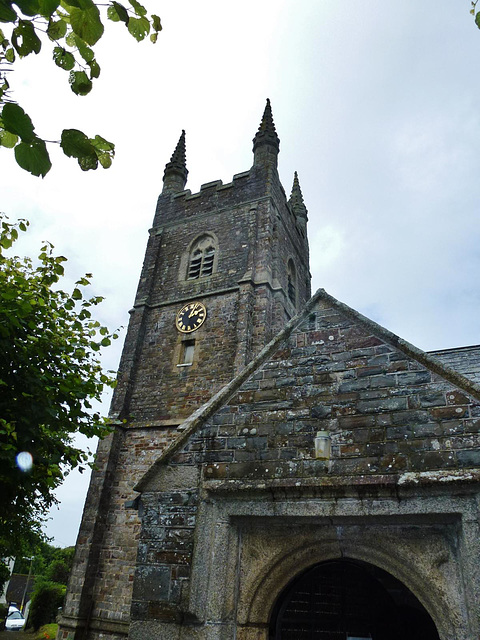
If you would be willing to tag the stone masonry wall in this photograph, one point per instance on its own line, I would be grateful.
(386, 413)
(388, 416)
(165, 556)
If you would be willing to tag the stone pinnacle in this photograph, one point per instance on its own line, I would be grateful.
(296, 199)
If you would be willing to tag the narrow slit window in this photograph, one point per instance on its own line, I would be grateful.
(291, 283)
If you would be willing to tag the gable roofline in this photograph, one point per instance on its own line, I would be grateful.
(203, 413)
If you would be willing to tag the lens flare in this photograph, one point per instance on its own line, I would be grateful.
(24, 461)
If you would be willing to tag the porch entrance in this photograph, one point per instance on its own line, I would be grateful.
(349, 600)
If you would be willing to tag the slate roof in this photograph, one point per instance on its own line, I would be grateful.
(16, 588)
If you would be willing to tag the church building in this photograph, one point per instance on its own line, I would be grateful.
(281, 467)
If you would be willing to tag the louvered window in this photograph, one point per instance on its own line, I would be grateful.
(202, 259)
(207, 264)
(195, 265)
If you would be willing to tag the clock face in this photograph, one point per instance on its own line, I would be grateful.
(191, 317)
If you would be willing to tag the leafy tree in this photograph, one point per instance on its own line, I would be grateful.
(73, 27)
(59, 569)
(4, 577)
(47, 562)
(49, 374)
(47, 598)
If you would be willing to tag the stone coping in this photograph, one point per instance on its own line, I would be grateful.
(358, 483)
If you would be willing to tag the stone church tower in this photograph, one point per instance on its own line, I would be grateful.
(282, 468)
(225, 269)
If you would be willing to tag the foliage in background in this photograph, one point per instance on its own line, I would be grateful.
(49, 375)
(73, 27)
(4, 576)
(59, 569)
(49, 562)
(47, 599)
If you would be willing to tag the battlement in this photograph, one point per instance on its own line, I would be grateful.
(214, 185)
(244, 187)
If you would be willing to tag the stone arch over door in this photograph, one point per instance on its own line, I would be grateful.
(341, 599)
(263, 583)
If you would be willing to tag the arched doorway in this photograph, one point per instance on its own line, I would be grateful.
(349, 600)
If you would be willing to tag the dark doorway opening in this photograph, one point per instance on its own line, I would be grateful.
(349, 600)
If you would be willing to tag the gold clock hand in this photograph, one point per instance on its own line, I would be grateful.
(193, 312)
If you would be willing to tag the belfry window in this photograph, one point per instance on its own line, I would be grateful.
(202, 259)
(291, 283)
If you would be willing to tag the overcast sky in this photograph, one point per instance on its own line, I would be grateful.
(376, 104)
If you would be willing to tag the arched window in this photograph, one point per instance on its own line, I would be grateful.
(291, 283)
(202, 258)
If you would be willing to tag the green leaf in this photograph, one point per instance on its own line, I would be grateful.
(4, 87)
(88, 163)
(56, 29)
(94, 69)
(477, 20)
(28, 7)
(24, 39)
(86, 53)
(139, 8)
(154, 37)
(100, 144)
(86, 23)
(7, 12)
(80, 83)
(33, 157)
(48, 7)
(10, 55)
(8, 139)
(112, 14)
(88, 152)
(139, 28)
(63, 58)
(105, 160)
(105, 151)
(117, 13)
(16, 121)
(78, 4)
(156, 23)
(76, 144)
(71, 39)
